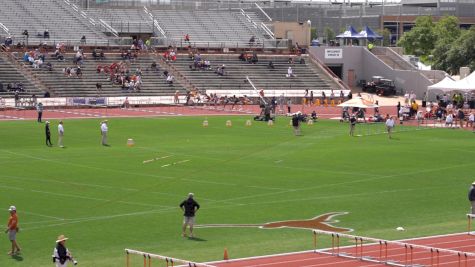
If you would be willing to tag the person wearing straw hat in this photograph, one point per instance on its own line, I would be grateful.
(61, 255)
(48, 134)
(471, 197)
(189, 206)
(104, 130)
(12, 230)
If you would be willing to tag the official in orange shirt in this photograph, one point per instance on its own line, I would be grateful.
(12, 230)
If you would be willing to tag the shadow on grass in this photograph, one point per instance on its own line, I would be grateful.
(197, 239)
(17, 257)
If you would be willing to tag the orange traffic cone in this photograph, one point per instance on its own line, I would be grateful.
(225, 257)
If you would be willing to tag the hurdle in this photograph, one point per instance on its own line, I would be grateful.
(393, 253)
(170, 262)
(469, 223)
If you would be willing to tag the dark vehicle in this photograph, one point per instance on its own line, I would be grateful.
(385, 87)
(380, 86)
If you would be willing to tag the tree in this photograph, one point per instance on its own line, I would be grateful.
(421, 39)
(329, 34)
(447, 30)
(462, 52)
(386, 36)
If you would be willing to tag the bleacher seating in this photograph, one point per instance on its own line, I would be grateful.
(10, 74)
(308, 75)
(63, 24)
(153, 81)
(124, 20)
(208, 26)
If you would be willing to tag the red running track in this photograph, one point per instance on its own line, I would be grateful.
(106, 112)
(395, 254)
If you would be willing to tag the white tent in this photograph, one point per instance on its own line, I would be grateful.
(358, 102)
(446, 85)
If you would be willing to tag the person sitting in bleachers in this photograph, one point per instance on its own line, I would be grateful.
(46, 34)
(254, 58)
(207, 65)
(242, 57)
(290, 73)
(170, 79)
(48, 66)
(271, 65)
(78, 58)
(57, 55)
(153, 66)
(221, 70)
(83, 40)
(78, 72)
(252, 40)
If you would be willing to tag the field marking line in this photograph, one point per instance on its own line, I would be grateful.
(66, 183)
(83, 197)
(154, 159)
(42, 215)
(166, 165)
(89, 167)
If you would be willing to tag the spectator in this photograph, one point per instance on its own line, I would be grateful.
(271, 65)
(46, 34)
(290, 73)
(83, 40)
(187, 38)
(252, 40)
(170, 79)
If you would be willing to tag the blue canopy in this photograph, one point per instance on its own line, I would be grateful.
(369, 34)
(349, 33)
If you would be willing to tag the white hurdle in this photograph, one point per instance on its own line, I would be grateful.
(147, 259)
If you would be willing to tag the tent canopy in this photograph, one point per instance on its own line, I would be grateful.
(448, 84)
(358, 102)
(369, 34)
(349, 33)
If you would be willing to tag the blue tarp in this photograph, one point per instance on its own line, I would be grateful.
(369, 34)
(349, 33)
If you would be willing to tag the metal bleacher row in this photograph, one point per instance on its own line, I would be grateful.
(10, 74)
(37, 16)
(154, 83)
(207, 26)
(308, 75)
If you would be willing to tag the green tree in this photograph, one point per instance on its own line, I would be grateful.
(313, 33)
(462, 52)
(421, 39)
(329, 34)
(447, 30)
(386, 36)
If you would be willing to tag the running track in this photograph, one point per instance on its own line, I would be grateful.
(396, 254)
(106, 112)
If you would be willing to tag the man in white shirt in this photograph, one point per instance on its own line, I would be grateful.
(390, 125)
(60, 134)
(104, 130)
(290, 73)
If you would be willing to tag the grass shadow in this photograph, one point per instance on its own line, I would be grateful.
(197, 239)
(17, 257)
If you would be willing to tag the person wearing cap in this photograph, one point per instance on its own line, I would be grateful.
(104, 130)
(48, 134)
(60, 134)
(61, 255)
(39, 109)
(471, 197)
(189, 206)
(12, 230)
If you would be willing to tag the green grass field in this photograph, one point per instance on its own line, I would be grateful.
(106, 199)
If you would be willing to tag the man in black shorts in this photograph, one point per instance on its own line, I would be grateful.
(189, 206)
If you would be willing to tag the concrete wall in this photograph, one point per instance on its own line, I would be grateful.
(300, 32)
(367, 65)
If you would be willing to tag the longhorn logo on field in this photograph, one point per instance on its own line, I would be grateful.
(321, 222)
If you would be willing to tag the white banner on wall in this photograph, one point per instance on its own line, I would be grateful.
(333, 53)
